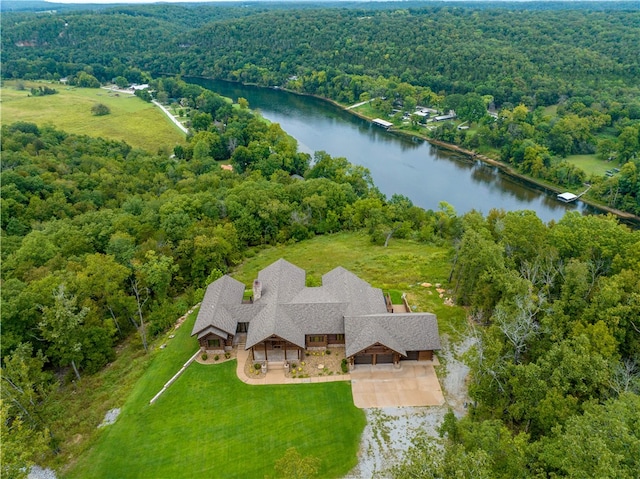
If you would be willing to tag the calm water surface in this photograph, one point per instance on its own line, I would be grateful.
(422, 172)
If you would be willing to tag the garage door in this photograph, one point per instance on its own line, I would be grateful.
(384, 358)
(413, 355)
(364, 359)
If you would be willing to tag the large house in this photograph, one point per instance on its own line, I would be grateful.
(284, 317)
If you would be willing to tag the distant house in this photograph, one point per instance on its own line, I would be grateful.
(284, 317)
(449, 116)
(424, 109)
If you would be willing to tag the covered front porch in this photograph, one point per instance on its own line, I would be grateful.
(276, 349)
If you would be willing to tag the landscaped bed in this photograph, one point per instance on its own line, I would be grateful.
(314, 363)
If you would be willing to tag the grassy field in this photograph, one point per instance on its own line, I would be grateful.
(402, 266)
(208, 422)
(369, 111)
(140, 124)
(590, 164)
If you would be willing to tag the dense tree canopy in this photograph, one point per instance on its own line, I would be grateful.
(581, 57)
(101, 242)
(556, 367)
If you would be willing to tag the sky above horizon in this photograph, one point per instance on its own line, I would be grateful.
(239, 1)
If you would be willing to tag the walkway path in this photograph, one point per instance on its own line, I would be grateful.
(277, 376)
(359, 104)
(171, 117)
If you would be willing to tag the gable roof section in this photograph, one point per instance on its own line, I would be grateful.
(222, 291)
(272, 320)
(361, 334)
(400, 332)
(212, 330)
(360, 296)
(281, 281)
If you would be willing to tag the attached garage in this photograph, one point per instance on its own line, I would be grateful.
(363, 359)
(384, 358)
(411, 355)
(375, 354)
(418, 356)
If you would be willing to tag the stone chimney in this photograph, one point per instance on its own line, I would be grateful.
(257, 289)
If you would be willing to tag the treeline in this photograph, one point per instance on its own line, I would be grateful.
(555, 371)
(515, 55)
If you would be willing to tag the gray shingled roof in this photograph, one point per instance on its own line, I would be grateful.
(222, 291)
(281, 281)
(211, 329)
(361, 297)
(344, 304)
(273, 321)
(317, 318)
(360, 335)
(409, 331)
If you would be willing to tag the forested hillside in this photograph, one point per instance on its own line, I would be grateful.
(562, 78)
(509, 54)
(101, 242)
(105, 245)
(555, 374)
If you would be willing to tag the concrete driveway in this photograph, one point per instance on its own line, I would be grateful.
(414, 384)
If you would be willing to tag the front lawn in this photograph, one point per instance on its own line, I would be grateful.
(210, 424)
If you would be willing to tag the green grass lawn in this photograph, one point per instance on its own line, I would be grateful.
(140, 124)
(368, 110)
(590, 164)
(210, 424)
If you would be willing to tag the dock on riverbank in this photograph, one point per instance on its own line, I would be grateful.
(382, 123)
(568, 197)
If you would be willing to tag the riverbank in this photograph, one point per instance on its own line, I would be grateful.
(416, 171)
(505, 168)
(508, 170)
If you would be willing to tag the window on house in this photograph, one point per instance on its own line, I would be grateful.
(340, 337)
(213, 343)
(316, 339)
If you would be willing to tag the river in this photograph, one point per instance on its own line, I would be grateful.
(424, 173)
